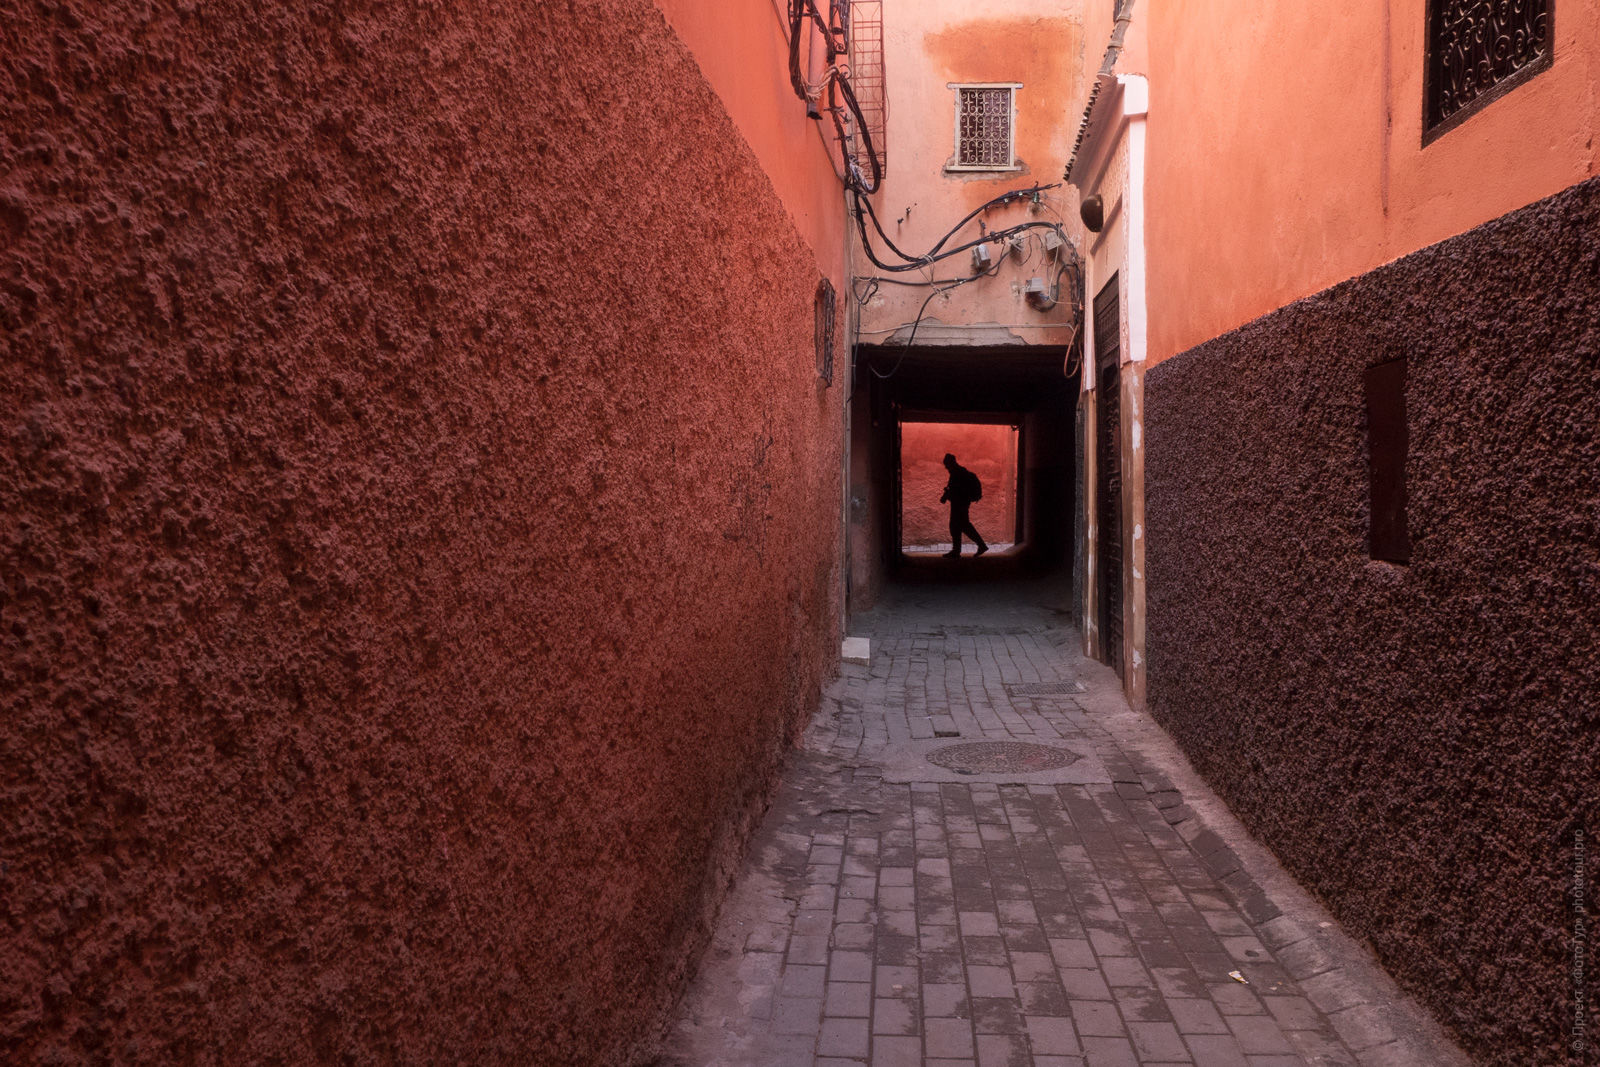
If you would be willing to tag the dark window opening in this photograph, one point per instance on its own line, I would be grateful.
(1477, 51)
(827, 312)
(1387, 441)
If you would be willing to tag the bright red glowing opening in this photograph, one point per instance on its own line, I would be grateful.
(986, 449)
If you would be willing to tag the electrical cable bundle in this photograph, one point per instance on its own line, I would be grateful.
(834, 32)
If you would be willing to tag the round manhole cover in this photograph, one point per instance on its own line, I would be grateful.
(992, 757)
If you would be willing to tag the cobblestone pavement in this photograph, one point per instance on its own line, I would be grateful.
(897, 912)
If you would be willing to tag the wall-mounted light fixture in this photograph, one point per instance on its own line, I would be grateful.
(1093, 213)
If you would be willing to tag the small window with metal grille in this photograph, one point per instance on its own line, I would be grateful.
(825, 305)
(985, 127)
(1477, 51)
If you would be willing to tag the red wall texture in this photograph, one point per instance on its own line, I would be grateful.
(420, 523)
(990, 452)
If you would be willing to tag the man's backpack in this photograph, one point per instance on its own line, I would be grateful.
(974, 487)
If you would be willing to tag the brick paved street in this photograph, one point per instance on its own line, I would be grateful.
(897, 912)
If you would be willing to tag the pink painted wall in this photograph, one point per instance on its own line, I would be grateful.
(418, 527)
(988, 451)
(928, 45)
(1286, 151)
(743, 51)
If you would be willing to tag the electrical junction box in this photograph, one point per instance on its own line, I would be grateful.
(982, 259)
(1052, 243)
(1038, 295)
(1017, 246)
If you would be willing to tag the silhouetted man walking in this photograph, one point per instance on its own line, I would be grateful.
(961, 490)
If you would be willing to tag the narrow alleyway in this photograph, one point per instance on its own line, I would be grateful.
(981, 856)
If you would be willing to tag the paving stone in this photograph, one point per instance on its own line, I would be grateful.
(898, 923)
(793, 1015)
(1110, 943)
(996, 1015)
(1234, 998)
(852, 935)
(1392, 1054)
(1331, 991)
(1142, 1005)
(853, 911)
(1196, 1016)
(947, 999)
(1096, 1018)
(1073, 952)
(1280, 931)
(950, 1038)
(1018, 913)
(848, 999)
(1163, 953)
(1052, 1035)
(1033, 966)
(988, 951)
(977, 923)
(850, 966)
(843, 1037)
(808, 950)
(1042, 998)
(1083, 983)
(1109, 1052)
(1157, 1041)
(1324, 1048)
(895, 1015)
(1306, 958)
(1361, 1027)
(894, 876)
(1002, 1050)
(1214, 1050)
(1293, 1013)
(895, 950)
(1246, 949)
(1125, 971)
(896, 982)
(802, 981)
(1258, 1034)
(1024, 938)
(896, 1052)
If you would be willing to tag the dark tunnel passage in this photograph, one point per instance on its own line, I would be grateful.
(1020, 387)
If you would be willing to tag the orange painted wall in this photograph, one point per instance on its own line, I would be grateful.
(988, 451)
(1285, 151)
(927, 46)
(743, 51)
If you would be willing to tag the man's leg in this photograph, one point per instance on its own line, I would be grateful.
(958, 523)
(977, 539)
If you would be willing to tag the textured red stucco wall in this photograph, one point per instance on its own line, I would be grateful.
(419, 528)
(988, 451)
(1418, 743)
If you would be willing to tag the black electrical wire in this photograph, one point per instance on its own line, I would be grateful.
(799, 12)
(837, 82)
(938, 251)
(916, 323)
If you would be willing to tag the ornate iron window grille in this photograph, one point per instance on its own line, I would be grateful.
(827, 310)
(983, 128)
(1478, 50)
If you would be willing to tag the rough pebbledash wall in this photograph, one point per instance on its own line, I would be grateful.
(1417, 743)
(418, 524)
